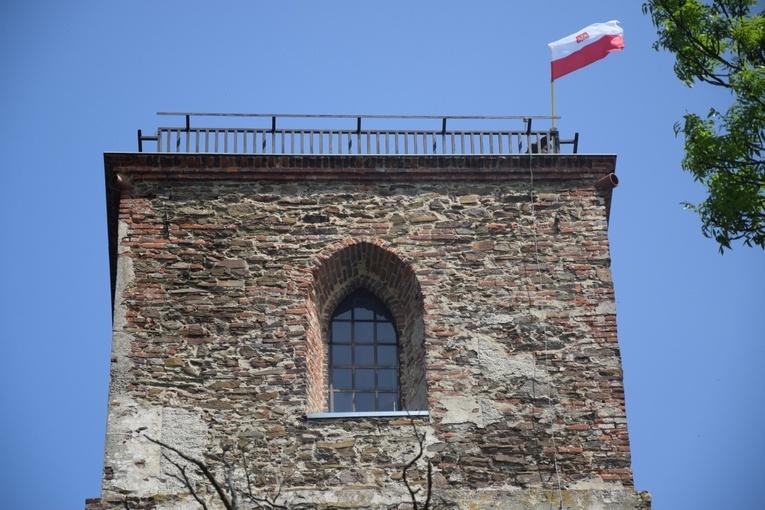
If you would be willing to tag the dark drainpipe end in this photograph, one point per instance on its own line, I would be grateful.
(609, 181)
(121, 183)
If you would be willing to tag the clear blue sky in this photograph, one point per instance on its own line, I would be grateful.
(78, 79)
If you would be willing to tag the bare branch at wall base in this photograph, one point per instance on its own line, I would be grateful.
(205, 471)
(229, 494)
(268, 502)
(230, 477)
(429, 478)
(184, 479)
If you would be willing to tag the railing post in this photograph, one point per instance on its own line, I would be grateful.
(358, 137)
(443, 137)
(527, 121)
(554, 141)
(273, 134)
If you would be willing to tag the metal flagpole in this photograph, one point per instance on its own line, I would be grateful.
(552, 98)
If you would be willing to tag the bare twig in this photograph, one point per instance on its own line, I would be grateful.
(184, 479)
(268, 502)
(203, 468)
(230, 478)
(429, 484)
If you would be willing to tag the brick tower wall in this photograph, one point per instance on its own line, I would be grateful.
(226, 270)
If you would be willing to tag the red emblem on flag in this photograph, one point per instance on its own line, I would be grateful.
(582, 37)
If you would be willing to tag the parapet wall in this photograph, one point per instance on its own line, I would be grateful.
(222, 293)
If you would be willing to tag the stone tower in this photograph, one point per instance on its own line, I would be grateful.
(314, 321)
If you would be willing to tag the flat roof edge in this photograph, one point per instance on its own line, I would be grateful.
(182, 166)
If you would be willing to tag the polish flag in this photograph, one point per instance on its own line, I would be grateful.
(585, 47)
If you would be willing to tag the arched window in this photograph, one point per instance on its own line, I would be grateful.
(365, 286)
(363, 356)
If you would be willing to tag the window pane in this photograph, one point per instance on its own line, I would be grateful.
(341, 332)
(343, 402)
(365, 310)
(365, 402)
(341, 379)
(365, 332)
(344, 314)
(365, 355)
(387, 402)
(341, 355)
(387, 379)
(365, 379)
(386, 356)
(386, 333)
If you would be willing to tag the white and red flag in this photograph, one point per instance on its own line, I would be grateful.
(585, 47)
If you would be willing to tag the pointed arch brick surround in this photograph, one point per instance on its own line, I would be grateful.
(372, 264)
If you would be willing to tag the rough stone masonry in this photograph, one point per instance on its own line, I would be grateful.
(225, 270)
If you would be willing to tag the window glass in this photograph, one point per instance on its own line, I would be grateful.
(387, 379)
(365, 310)
(341, 355)
(341, 332)
(342, 378)
(344, 315)
(387, 356)
(364, 355)
(363, 359)
(365, 379)
(364, 332)
(386, 333)
(342, 402)
(387, 402)
(365, 402)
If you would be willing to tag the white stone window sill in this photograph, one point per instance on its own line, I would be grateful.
(371, 414)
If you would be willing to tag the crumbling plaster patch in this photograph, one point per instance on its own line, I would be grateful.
(497, 365)
(469, 410)
(137, 463)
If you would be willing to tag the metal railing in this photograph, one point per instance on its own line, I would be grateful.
(357, 139)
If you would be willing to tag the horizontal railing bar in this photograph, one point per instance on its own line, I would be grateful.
(349, 116)
(348, 131)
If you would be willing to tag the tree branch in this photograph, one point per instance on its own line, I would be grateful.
(429, 484)
(264, 502)
(682, 25)
(202, 467)
(185, 480)
(230, 478)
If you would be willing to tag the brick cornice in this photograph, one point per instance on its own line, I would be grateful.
(156, 166)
